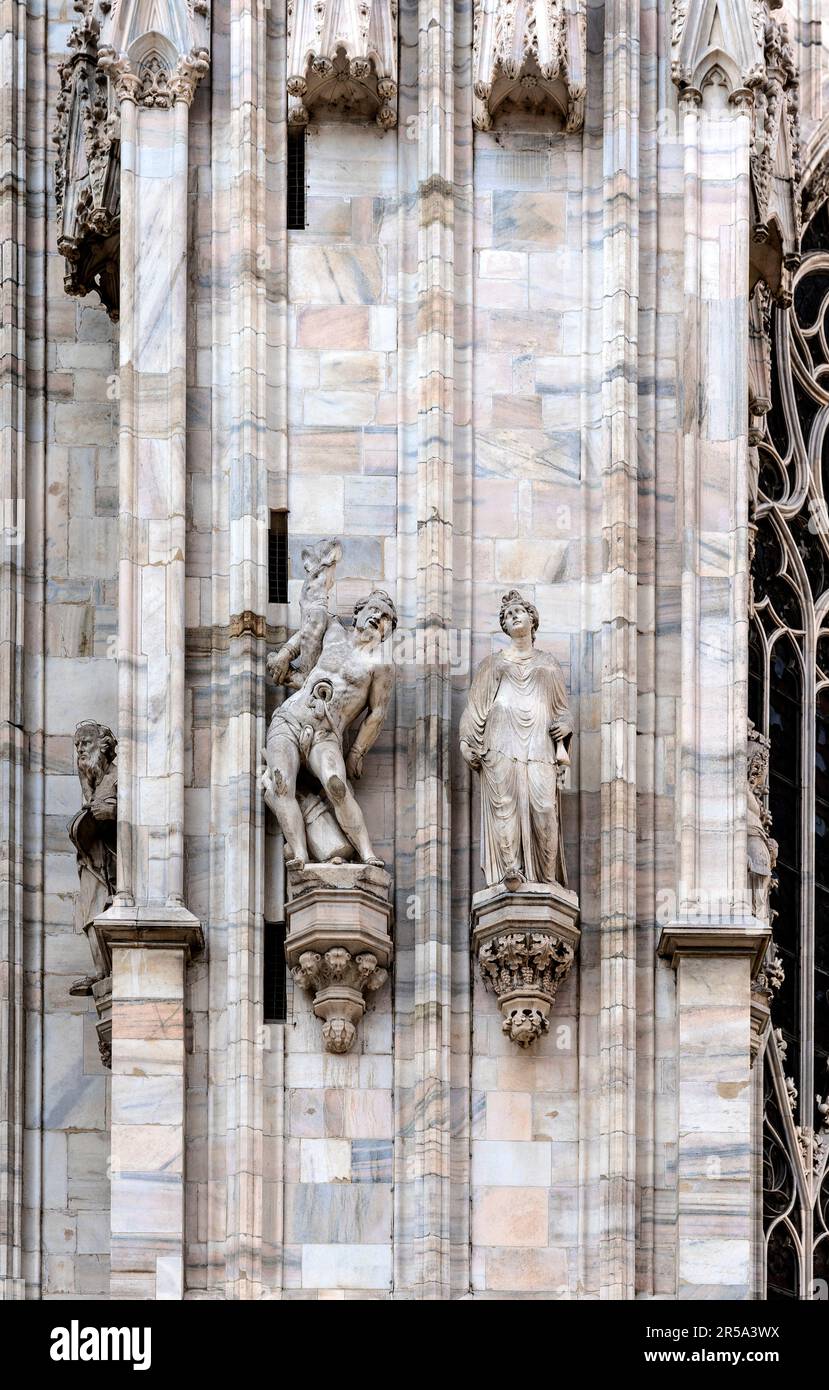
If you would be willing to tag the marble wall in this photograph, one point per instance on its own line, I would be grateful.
(473, 366)
(71, 607)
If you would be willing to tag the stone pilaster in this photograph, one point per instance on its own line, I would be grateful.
(617, 1010)
(13, 167)
(714, 968)
(257, 284)
(155, 82)
(147, 1100)
(434, 510)
(715, 110)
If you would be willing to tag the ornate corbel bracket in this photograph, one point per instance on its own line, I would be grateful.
(342, 58)
(525, 942)
(338, 944)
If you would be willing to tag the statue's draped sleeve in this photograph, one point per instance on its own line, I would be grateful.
(482, 694)
(560, 709)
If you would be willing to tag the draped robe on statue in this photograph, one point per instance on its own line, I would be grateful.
(512, 704)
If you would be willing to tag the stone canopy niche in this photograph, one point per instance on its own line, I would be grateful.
(529, 55)
(342, 57)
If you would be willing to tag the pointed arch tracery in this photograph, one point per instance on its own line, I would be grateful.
(789, 703)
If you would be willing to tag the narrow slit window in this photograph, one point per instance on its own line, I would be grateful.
(274, 992)
(296, 180)
(278, 558)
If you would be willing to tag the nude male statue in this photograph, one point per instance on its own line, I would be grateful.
(309, 728)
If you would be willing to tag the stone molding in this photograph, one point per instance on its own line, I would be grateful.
(529, 55)
(155, 927)
(525, 942)
(338, 944)
(736, 938)
(342, 56)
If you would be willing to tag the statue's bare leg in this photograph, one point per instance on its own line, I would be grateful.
(326, 762)
(279, 783)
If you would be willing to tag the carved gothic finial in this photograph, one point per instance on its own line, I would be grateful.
(529, 55)
(342, 55)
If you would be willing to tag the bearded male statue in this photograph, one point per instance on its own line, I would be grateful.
(93, 831)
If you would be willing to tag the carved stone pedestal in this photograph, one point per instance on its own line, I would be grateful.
(525, 942)
(338, 943)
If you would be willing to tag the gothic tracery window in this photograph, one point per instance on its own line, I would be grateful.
(789, 702)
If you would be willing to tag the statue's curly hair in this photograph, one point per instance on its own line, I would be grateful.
(510, 600)
(387, 599)
(107, 739)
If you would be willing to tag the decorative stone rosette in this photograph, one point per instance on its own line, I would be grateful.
(338, 944)
(525, 942)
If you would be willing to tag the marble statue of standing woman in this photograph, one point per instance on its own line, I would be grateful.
(515, 732)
